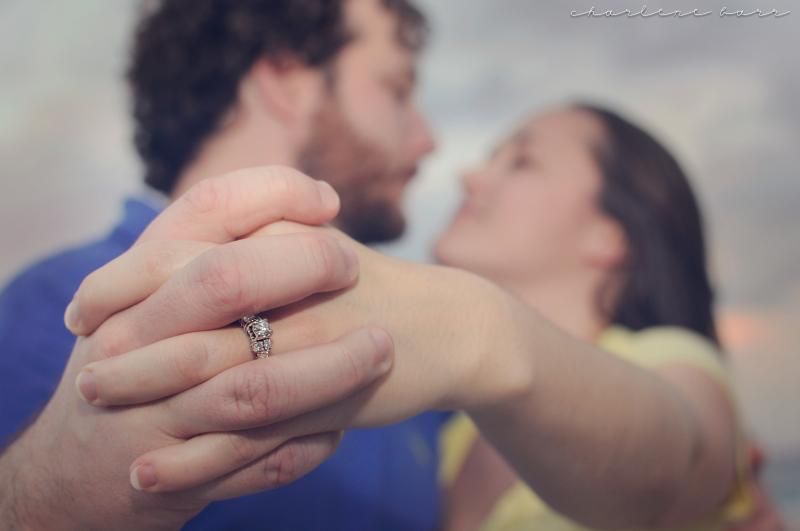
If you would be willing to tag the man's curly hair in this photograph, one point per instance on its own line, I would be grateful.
(189, 56)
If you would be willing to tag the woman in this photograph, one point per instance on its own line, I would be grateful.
(585, 219)
(601, 233)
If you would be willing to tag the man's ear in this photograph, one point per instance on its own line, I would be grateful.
(285, 89)
(605, 244)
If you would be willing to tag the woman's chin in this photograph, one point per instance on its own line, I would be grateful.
(442, 252)
(449, 250)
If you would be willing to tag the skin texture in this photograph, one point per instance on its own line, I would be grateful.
(498, 360)
(274, 120)
(601, 457)
(510, 348)
(75, 454)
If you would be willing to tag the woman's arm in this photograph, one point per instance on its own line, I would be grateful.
(599, 439)
(602, 440)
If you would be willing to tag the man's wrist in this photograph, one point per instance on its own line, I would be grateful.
(19, 469)
(37, 498)
(9, 511)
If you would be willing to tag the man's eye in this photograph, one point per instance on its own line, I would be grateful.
(521, 162)
(401, 93)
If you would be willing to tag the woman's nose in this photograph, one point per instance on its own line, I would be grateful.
(474, 180)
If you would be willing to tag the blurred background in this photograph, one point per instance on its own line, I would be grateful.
(721, 91)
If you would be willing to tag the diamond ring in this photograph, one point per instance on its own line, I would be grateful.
(259, 333)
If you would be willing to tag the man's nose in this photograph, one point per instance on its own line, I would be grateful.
(423, 142)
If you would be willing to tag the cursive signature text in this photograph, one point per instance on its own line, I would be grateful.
(645, 12)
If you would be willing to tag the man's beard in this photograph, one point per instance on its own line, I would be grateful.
(356, 170)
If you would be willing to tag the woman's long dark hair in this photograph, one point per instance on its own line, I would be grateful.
(664, 280)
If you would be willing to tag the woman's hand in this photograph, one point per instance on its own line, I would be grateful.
(414, 303)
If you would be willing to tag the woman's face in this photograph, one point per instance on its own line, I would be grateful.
(532, 210)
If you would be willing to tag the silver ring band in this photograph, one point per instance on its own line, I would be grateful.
(259, 333)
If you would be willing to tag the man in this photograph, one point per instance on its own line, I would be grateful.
(325, 86)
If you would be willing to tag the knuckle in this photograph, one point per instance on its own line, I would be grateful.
(221, 280)
(283, 466)
(290, 176)
(323, 255)
(296, 184)
(157, 259)
(242, 449)
(254, 397)
(108, 342)
(281, 181)
(207, 195)
(190, 364)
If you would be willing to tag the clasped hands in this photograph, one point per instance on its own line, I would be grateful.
(161, 381)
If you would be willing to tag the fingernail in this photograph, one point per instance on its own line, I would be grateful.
(351, 259)
(329, 196)
(143, 477)
(380, 338)
(87, 388)
(72, 317)
(383, 344)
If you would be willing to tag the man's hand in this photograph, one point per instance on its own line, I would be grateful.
(72, 469)
(408, 300)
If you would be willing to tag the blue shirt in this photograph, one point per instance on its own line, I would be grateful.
(379, 479)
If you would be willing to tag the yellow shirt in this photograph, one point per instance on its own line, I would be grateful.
(520, 509)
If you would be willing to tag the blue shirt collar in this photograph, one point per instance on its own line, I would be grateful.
(138, 213)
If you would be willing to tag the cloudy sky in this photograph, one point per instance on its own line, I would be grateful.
(721, 91)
